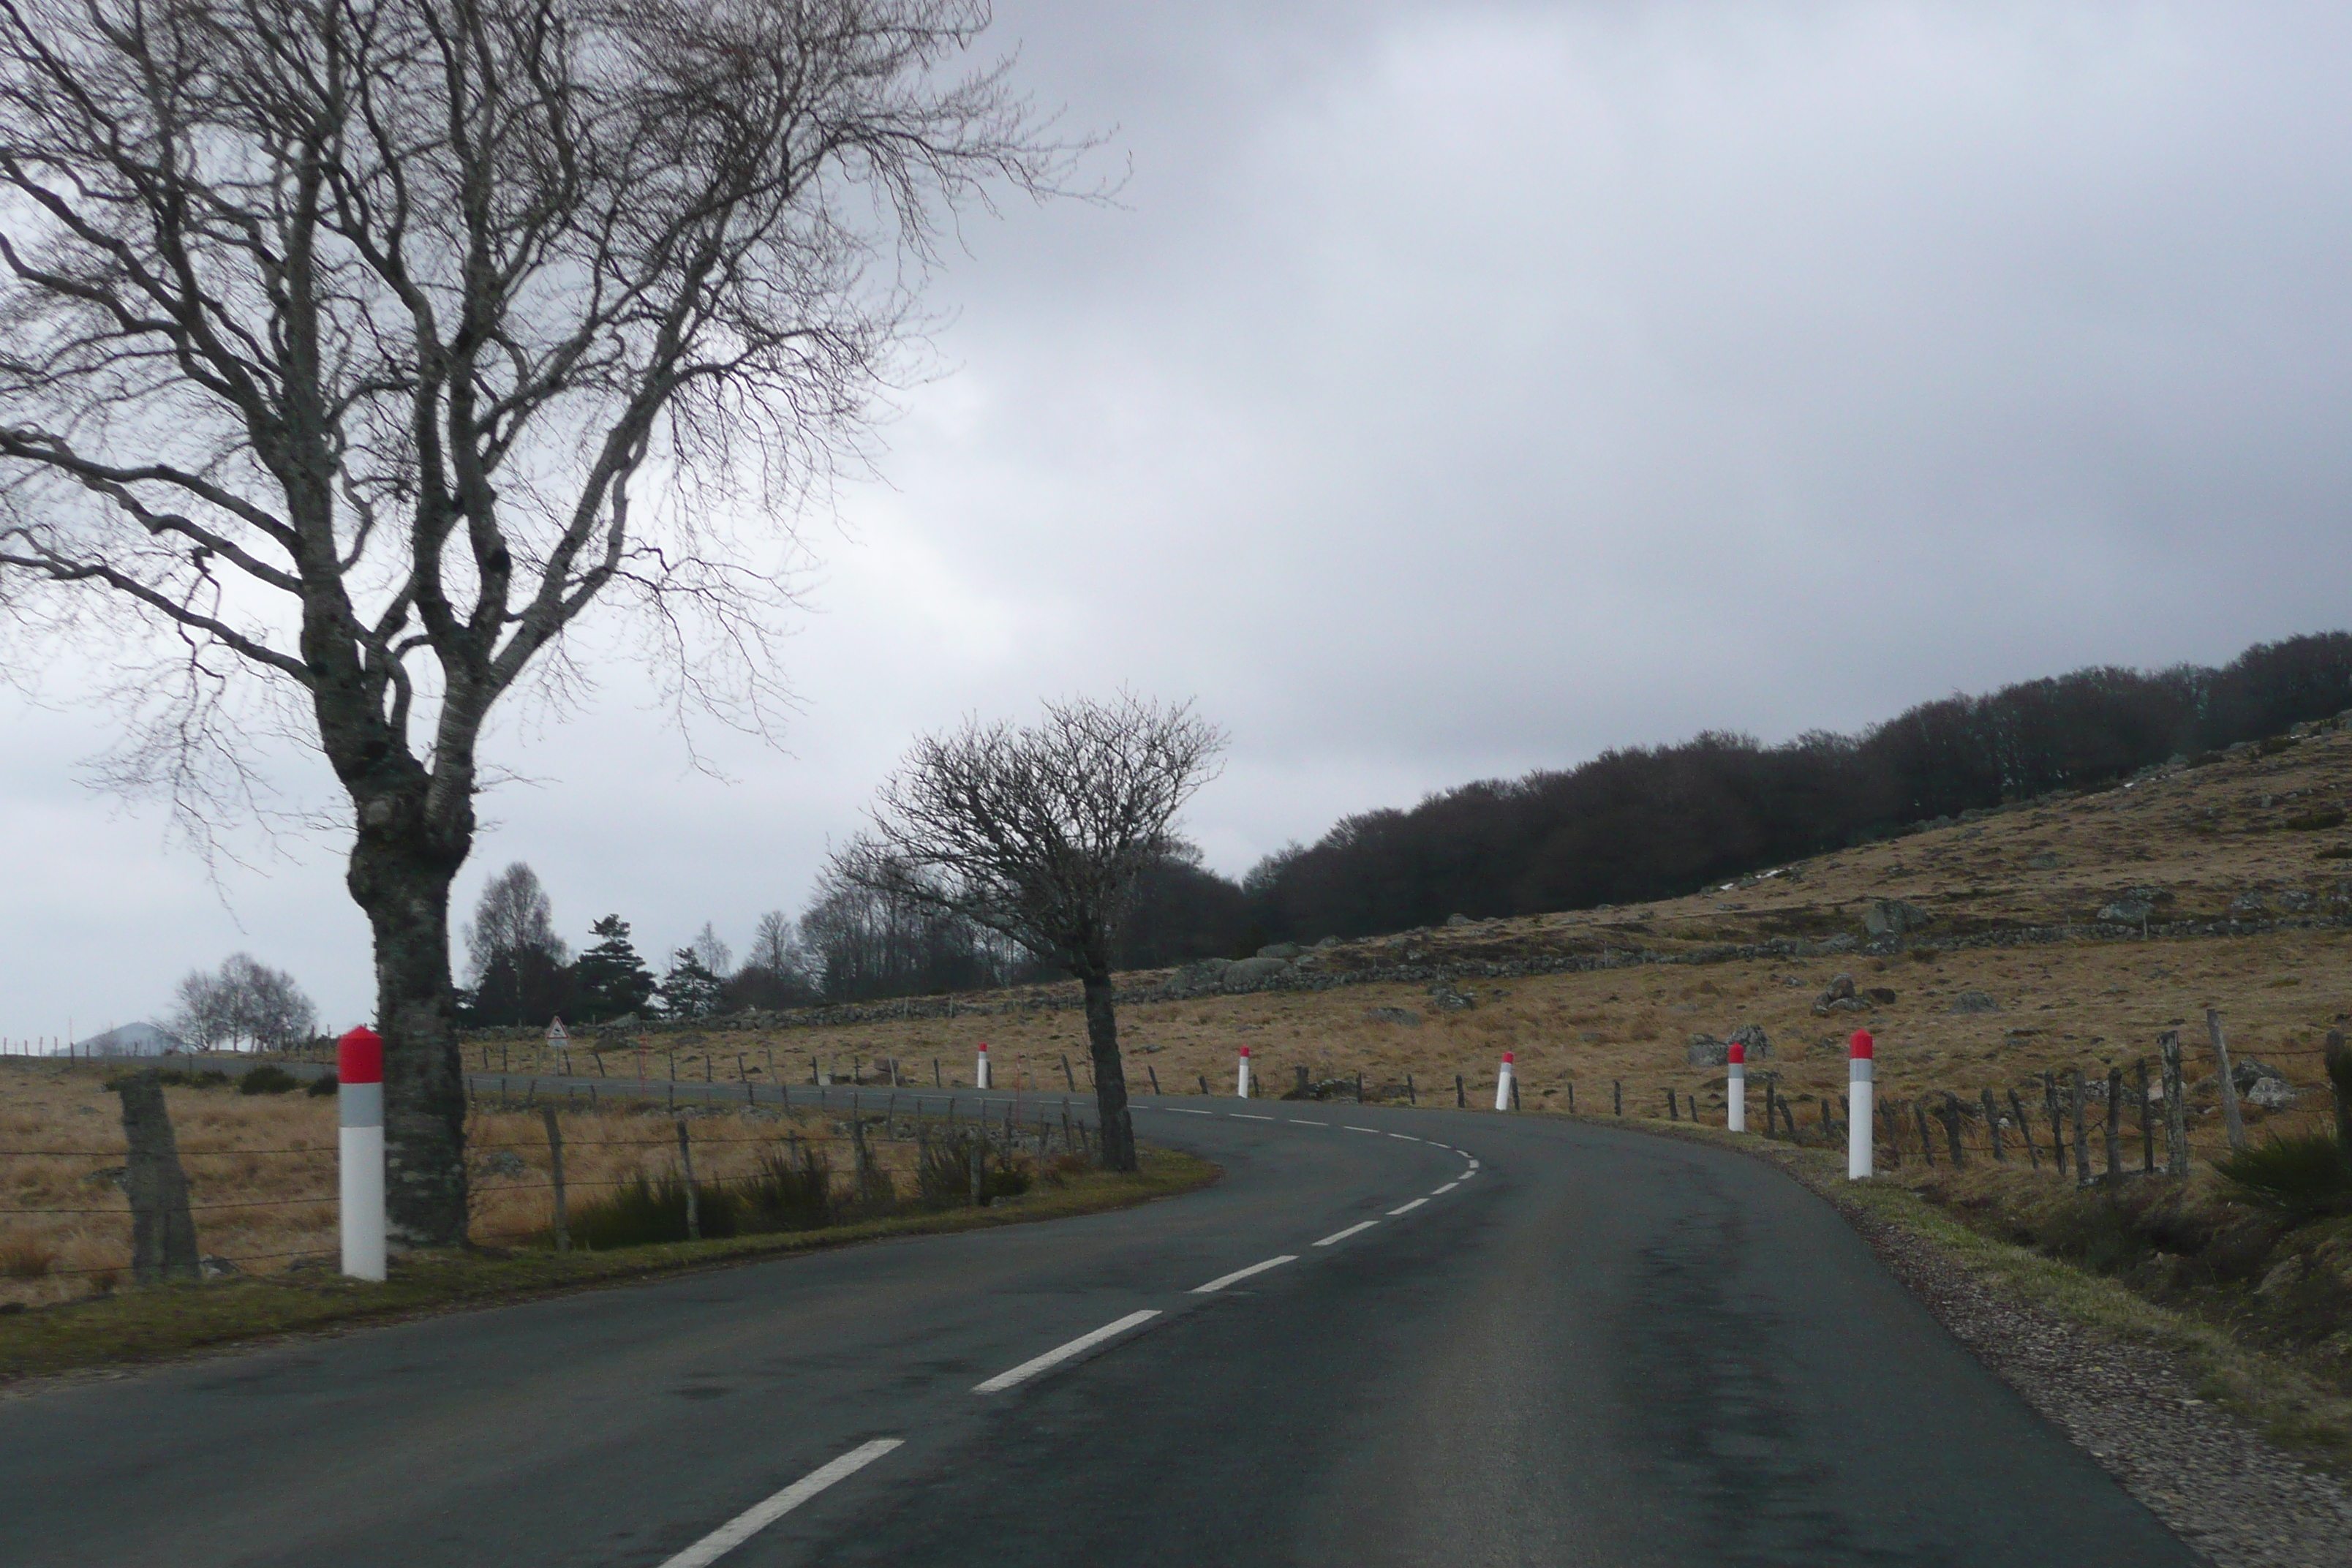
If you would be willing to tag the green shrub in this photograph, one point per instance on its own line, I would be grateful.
(268, 1079)
(323, 1085)
(2309, 1173)
(1007, 1183)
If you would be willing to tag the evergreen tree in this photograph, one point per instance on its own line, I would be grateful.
(689, 990)
(610, 978)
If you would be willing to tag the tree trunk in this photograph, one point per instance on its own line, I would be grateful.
(1110, 1077)
(401, 881)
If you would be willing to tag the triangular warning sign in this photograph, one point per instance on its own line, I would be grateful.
(555, 1035)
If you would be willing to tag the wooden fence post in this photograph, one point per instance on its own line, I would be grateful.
(163, 1233)
(555, 1163)
(2114, 1124)
(1204, 1084)
(2081, 1147)
(1673, 1107)
(2176, 1104)
(1411, 1096)
(1154, 1075)
(1461, 1094)
(1951, 1115)
(2057, 1123)
(1926, 1140)
(693, 1202)
(2146, 1124)
(2025, 1131)
(2339, 1062)
(2230, 1116)
(1992, 1128)
(1068, 1077)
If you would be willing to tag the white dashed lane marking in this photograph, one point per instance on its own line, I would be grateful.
(1407, 1208)
(1221, 1280)
(752, 1520)
(1344, 1235)
(1060, 1354)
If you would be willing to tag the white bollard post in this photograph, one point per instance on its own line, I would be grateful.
(359, 1073)
(1242, 1079)
(1503, 1084)
(1736, 1090)
(1860, 1067)
(983, 1064)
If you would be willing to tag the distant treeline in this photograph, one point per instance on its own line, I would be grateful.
(1655, 821)
(1632, 825)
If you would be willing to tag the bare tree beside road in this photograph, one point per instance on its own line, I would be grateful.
(361, 346)
(1040, 835)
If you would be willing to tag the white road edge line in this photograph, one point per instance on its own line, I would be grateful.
(1221, 1280)
(1406, 1136)
(1245, 1116)
(1445, 1189)
(1344, 1235)
(1354, 1129)
(1407, 1208)
(1464, 1177)
(1473, 1164)
(1302, 1121)
(1181, 1111)
(1060, 1354)
(754, 1519)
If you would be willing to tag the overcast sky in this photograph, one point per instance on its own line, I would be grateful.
(1453, 390)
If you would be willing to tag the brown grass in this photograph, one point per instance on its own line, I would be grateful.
(65, 1231)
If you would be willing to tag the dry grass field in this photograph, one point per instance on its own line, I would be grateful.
(2251, 840)
(261, 1170)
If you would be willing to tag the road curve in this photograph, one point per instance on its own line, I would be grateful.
(1497, 1340)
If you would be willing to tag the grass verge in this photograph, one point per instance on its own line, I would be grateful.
(2290, 1406)
(150, 1325)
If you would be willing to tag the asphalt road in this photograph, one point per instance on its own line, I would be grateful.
(1585, 1346)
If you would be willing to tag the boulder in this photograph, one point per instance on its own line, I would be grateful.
(2249, 903)
(1839, 998)
(1279, 950)
(1449, 1000)
(1250, 971)
(1881, 994)
(2272, 1094)
(1406, 1016)
(2128, 911)
(1459, 921)
(1976, 1002)
(1752, 1035)
(1328, 942)
(1893, 917)
(1203, 975)
(1707, 1051)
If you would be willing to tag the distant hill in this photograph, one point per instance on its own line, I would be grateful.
(131, 1040)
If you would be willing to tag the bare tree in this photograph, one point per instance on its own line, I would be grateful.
(1040, 835)
(712, 953)
(246, 1001)
(513, 915)
(360, 345)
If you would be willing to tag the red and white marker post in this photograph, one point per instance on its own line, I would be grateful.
(1242, 1078)
(1503, 1082)
(1736, 1088)
(359, 1073)
(1861, 1064)
(983, 1070)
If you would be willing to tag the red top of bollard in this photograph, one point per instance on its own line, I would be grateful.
(1737, 1055)
(359, 1056)
(1245, 1050)
(1507, 1058)
(1861, 1047)
(983, 1048)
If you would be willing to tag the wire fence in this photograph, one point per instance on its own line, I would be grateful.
(525, 1156)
